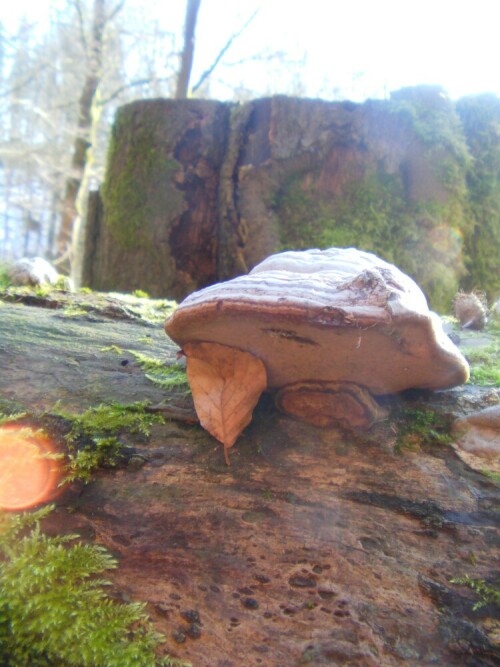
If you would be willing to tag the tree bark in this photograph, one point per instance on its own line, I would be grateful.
(184, 77)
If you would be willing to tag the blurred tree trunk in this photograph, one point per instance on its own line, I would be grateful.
(218, 188)
(182, 89)
(84, 128)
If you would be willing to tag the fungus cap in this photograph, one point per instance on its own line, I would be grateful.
(336, 315)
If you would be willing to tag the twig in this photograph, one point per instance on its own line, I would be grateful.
(186, 415)
(115, 11)
(222, 52)
(132, 84)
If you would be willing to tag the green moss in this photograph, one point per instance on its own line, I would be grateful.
(487, 593)
(153, 311)
(92, 439)
(41, 291)
(145, 340)
(139, 182)
(13, 417)
(106, 419)
(484, 364)
(102, 453)
(362, 216)
(54, 609)
(140, 294)
(112, 348)
(172, 377)
(63, 284)
(377, 211)
(75, 311)
(9, 408)
(417, 427)
(489, 377)
(493, 325)
(433, 118)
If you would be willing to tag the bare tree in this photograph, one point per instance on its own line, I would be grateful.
(32, 135)
(94, 55)
(59, 89)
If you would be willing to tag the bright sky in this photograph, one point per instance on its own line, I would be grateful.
(341, 48)
(366, 47)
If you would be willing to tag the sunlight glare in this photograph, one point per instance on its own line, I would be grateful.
(29, 468)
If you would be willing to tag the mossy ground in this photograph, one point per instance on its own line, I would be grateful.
(484, 361)
(87, 303)
(54, 607)
(171, 377)
(93, 439)
(4, 277)
(419, 427)
(488, 593)
(485, 365)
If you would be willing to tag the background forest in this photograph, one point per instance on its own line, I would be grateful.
(60, 85)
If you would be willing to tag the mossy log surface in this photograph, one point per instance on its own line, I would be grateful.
(316, 546)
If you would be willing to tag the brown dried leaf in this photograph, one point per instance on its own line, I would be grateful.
(226, 384)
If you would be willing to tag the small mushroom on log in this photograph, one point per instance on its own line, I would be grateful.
(327, 330)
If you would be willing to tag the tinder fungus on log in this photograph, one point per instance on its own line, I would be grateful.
(326, 316)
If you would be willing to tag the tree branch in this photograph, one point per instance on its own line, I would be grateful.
(81, 23)
(27, 80)
(261, 57)
(115, 11)
(223, 51)
(19, 86)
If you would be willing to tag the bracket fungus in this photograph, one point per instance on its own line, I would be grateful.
(324, 330)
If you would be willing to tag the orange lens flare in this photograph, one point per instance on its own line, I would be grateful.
(29, 471)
